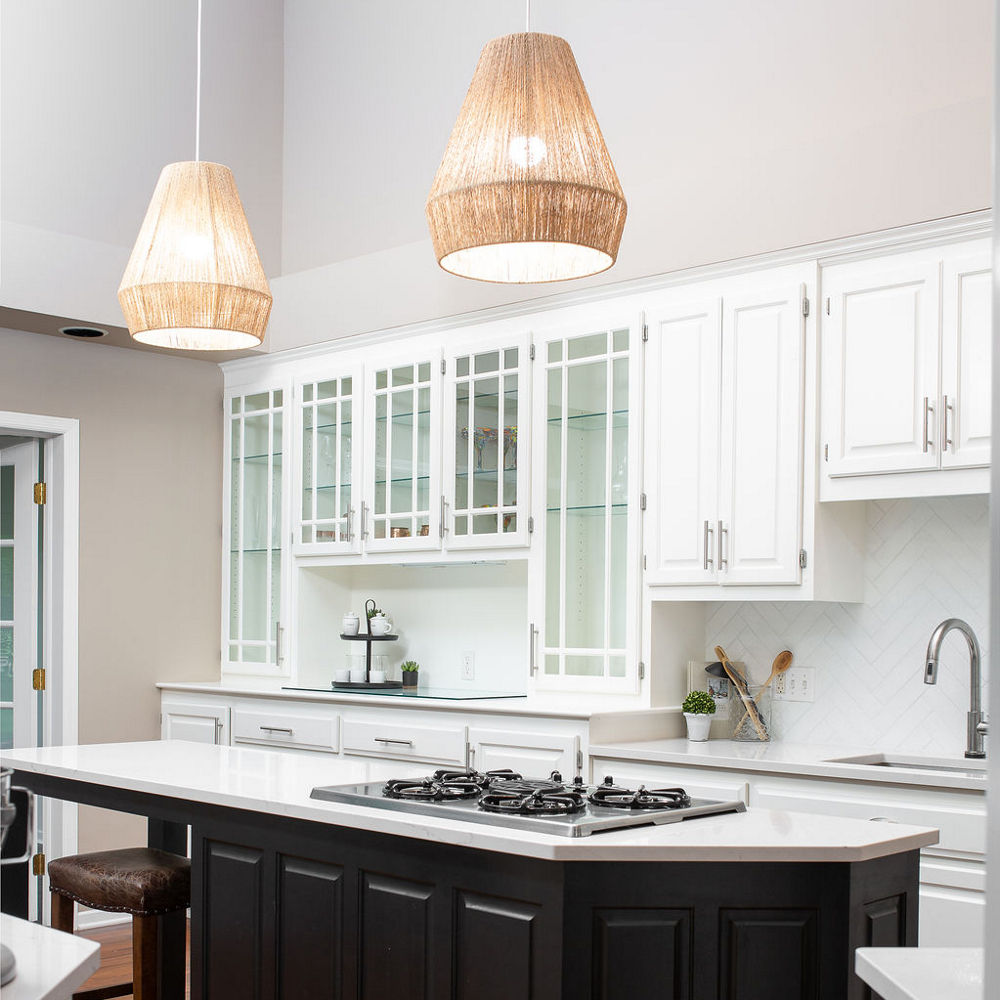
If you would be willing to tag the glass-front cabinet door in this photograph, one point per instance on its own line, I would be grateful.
(256, 446)
(585, 595)
(486, 445)
(401, 509)
(330, 457)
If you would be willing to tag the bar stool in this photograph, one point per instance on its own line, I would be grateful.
(139, 880)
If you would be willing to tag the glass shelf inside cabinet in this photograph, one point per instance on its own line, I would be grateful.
(597, 508)
(596, 421)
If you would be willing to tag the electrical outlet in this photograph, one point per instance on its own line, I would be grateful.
(800, 684)
(468, 666)
(779, 687)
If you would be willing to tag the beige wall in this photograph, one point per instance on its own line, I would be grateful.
(150, 527)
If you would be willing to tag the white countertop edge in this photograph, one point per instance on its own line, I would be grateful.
(781, 759)
(581, 707)
(50, 963)
(922, 973)
(755, 835)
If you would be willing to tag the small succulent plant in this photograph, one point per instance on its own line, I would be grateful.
(699, 703)
(412, 665)
(374, 611)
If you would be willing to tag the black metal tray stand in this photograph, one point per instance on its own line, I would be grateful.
(368, 639)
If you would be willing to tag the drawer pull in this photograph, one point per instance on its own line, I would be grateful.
(275, 729)
(881, 819)
(402, 743)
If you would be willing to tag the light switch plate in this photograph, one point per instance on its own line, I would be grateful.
(468, 666)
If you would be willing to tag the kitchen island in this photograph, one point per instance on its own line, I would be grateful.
(297, 897)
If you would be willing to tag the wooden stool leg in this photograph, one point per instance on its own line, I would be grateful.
(62, 912)
(144, 957)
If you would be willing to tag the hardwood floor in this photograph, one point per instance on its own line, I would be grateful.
(116, 956)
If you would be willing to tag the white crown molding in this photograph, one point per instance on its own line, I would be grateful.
(934, 232)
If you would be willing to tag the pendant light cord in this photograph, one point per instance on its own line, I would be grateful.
(197, 94)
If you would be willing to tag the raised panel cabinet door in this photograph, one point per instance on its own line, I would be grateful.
(401, 510)
(642, 954)
(769, 953)
(196, 724)
(486, 459)
(683, 375)
(327, 504)
(760, 494)
(880, 365)
(965, 358)
(534, 755)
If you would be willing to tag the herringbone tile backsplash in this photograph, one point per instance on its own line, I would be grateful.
(926, 560)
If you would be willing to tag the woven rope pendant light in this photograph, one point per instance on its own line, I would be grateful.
(526, 190)
(194, 280)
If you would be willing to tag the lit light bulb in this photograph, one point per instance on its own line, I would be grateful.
(527, 150)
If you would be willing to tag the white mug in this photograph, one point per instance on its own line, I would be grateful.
(341, 676)
(357, 675)
(381, 625)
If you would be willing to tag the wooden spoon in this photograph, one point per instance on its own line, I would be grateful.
(781, 663)
(739, 682)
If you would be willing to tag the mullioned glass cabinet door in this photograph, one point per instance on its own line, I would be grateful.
(256, 445)
(401, 510)
(486, 445)
(328, 518)
(585, 632)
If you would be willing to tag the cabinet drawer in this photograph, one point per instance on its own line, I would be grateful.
(699, 783)
(962, 828)
(308, 731)
(444, 746)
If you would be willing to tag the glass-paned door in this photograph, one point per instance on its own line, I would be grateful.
(587, 402)
(20, 715)
(402, 506)
(257, 517)
(329, 514)
(486, 446)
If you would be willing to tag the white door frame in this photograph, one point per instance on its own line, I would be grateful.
(61, 568)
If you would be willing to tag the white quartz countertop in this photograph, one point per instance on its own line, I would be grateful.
(50, 964)
(553, 706)
(922, 973)
(795, 758)
(279, 783)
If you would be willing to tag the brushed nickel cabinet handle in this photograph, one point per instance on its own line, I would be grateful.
(402, 743)
(276, 729)
(349, 518)
(533, 663)
(279, 655)
(443, 525)
(928, 410)
(708, 532)
(723, 538)
(948, 410)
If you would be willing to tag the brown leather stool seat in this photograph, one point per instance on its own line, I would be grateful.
(142, 881)
(138, 880)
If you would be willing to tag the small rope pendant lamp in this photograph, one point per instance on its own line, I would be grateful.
(194, 280)
(526, 190)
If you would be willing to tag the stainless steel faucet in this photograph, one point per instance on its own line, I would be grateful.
(977, 726)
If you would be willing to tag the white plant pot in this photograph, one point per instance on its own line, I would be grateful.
(698, 726)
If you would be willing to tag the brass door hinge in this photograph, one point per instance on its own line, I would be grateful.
(38, 679)
(40, 494)
(38, 864)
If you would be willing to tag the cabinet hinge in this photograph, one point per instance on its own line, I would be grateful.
(38, 864)
(531, 525)
(826, 453)
(645, 332)
(39, 494)
(444, 366)
(38, 679)
(531, 352)
(642, 501)
(805, 307)
(803, 559)
(643, 562)
(828, 305)
(642, 670)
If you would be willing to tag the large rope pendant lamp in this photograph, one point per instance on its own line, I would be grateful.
(526, 190)
(194, 280)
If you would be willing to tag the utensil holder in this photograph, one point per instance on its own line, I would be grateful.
(744, 731)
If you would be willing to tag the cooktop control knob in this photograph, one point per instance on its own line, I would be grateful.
(608, 780)
(555, 776)
(578, 780)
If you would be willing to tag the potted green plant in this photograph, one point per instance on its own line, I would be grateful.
(698, 709)
(410, 671)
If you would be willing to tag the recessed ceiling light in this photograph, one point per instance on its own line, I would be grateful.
(83, 332)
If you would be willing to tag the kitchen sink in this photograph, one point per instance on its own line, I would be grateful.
(971, 768)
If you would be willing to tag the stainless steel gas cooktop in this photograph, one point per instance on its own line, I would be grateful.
(506, 798)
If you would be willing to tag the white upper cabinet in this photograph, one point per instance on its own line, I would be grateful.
(724, 404)
(760, 495)
(401, 509)
(906, 373)
(486, 435)
(965, 359)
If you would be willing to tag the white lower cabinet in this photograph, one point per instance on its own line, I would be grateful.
(293, 728)
(393, 739)
(194, 722)
(535, 754)
(952, 872)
